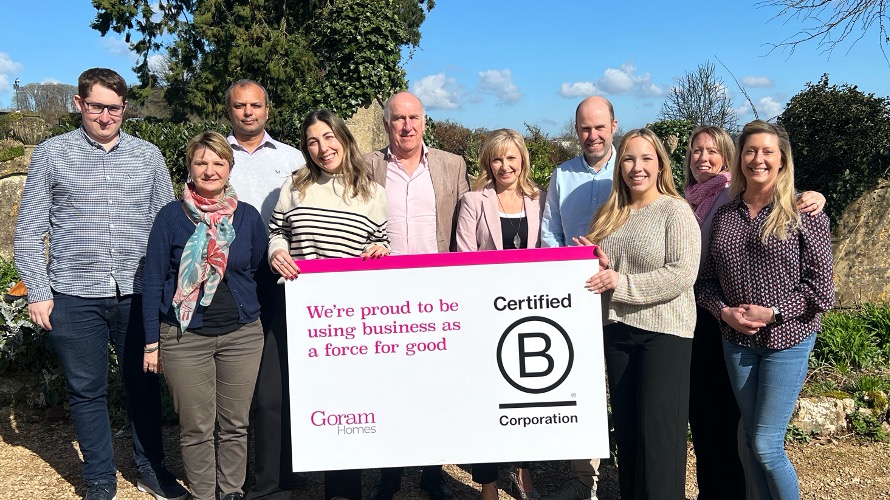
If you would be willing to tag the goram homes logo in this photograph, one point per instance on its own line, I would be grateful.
(535, 355)
(345, 424)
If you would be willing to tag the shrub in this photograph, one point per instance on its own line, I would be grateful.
(675, 136)
(841, 166)
(847, 341)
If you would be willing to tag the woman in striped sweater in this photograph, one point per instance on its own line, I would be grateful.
(329, 209)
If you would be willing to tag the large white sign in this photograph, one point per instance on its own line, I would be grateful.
(446, 359)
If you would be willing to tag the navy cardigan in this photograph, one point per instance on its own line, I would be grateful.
(171, 230)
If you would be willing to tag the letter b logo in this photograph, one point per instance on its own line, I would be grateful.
(535, 354)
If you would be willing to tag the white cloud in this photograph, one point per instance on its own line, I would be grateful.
(579, 89)
(615, 81)
(51, 80)
(438, 92)
(8, 70)
(500, 84)
(757, 81)
(767, 108)
(118, 47)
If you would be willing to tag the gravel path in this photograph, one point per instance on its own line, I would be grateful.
(39, 460)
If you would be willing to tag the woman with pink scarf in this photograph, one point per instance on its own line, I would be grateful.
(201, 316)
(713, 411)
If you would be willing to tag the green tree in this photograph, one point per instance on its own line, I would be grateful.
(675, 136)
(840, 139)
(338, 54)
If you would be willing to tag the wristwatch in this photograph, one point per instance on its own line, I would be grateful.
(777, 315)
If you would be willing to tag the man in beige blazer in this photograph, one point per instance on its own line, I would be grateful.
(423, 186)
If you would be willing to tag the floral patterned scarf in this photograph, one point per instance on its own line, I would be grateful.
(206, 252)
(703, 195)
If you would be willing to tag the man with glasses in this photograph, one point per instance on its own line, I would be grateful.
(93, 194)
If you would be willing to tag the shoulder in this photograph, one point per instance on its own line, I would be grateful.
(133, 143)
(376, 155)
(445, 157)
(247, 210)
(61, 142)
(472, 197)
(571, 165)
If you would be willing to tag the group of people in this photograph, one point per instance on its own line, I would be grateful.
(710, 304)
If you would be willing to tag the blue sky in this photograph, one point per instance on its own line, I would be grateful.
(502, 63)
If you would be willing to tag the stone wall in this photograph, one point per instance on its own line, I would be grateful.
(862, 250)
(12, 181)
(367, 127)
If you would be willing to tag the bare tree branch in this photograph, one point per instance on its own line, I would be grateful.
(741, 88)
(700, 97)
(832, 22)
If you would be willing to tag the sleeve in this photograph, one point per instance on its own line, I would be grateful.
(463, 186)
(279, 227)
(551, 222)
(708, 293)
(162, 190)
(682, 251)
(33, 225)
(379, 214)
(157, 266)
(815, 292)
(260, 242)
(467, 219)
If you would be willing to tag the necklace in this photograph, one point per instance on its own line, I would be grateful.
(516, 239)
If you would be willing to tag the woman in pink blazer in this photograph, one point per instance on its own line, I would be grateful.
(502, 212)
(504, 209)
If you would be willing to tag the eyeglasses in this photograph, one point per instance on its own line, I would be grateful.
(95, 108)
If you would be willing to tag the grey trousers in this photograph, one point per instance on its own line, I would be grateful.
(212, 380)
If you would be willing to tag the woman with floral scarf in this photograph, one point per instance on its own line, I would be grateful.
(201, 316)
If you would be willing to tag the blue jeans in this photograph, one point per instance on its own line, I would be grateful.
(82, 331)
(766, 383)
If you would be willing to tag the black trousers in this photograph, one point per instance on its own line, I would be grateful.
(393, 475)
(271, 415)
(649, 391)
(714, 416)
(488, 473)
(343, 483)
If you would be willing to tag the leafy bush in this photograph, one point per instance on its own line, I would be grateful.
(848, 341)
(842, 166)
(675, 136)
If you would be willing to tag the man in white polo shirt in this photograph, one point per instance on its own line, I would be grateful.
(262, 165)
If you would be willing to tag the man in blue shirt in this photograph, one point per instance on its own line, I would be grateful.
(93, 193)
(577, 189)
(579, 186)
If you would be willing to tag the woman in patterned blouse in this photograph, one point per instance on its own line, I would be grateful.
(713, 412)
(767, 279)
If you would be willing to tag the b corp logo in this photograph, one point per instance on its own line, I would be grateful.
(535, 354)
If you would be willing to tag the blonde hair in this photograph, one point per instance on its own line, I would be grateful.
(724, 145)
(615, 211)
(495, 146)
(355, 174)
(784, 219)
(210, 140)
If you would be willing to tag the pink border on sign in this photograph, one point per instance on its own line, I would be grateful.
(447, 259)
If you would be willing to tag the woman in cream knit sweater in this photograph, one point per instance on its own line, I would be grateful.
(649, 245)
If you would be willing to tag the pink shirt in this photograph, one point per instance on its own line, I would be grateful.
(411, 224)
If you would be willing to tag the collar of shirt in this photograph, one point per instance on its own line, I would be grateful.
(92, 142)
(607, 168)
(424, 157)
(267, 142)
